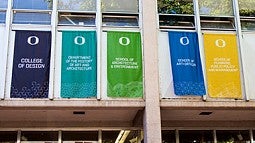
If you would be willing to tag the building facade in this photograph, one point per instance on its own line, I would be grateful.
(127, 71)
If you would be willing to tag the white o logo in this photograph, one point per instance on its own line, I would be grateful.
(79, 40)
(220, 43)
(124, 42)
(32, 40)
(184, 41)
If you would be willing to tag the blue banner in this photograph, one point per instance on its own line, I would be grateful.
(186, 64)
(31, 64)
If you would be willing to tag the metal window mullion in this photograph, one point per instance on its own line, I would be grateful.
(239, 40)
(177, 136)
(99, 45)
(214, 136)
(200, 43)
(19, 136)
(54, 20)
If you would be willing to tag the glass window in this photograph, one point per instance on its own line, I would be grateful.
(8, 136)
(227, 136)
(247, 8)
(176, 21)
(168, 136)
(123, 136)
(33, 4)
(2, 17)
(39, 136)
(3, 3)
(120, 21)
(31, 18)
(76, 19)
(196, 136)
(126, 6)
(175, 6)
(216, 7)
(248, 24)
(77, 5)
(80, 136)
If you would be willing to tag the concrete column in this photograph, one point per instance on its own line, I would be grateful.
(151, 121)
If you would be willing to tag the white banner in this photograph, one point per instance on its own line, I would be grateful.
(248, 52)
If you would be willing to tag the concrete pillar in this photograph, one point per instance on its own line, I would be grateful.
(151, 121)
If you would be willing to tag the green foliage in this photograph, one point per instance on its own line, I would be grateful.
(216, 7)
(247, 8)
(175, 7)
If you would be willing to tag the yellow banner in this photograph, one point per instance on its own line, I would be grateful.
(222, 66)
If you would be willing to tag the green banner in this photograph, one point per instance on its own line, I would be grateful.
(124, 64)
(78, 73)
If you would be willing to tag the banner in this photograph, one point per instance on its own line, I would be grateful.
(222, 66)
(248, 50)
(79, 64)
(31, 64)
(186, 64)
(124, 64)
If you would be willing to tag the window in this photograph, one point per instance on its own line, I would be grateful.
(32, 12)
(77, 12)
(216, 15)
(49, 136)
(122, 136)
(247, 14)
(225, 136)
(176, 14)
(196, 136)
(3, 7)
(120, 13)
(79, 136)
(8, 136)
(168, 136)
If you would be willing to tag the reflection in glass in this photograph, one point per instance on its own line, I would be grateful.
(196, 136)
(120, 21)
(174, 21)
(122, 136)
(175, 7)
(247, 8)
(80, 135)
(3, 3)
(77, 5)
(31, 18)
(228, 136)
(33, 4)
(248, 24)
(120, 6)
(168, 136)
(216, 7)
(8, 136)
(82, 20)
(2, 17)
(39, 136)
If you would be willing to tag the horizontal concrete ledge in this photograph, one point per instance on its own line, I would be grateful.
(72, 103)
(184, 104)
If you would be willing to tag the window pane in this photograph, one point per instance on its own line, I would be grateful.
(31, 18)
(123, 136)
(172, 21)
(216, 7)
(248, 24)
(120, 6)
(247, 8)
(2, 17)
(76, 19)
(77, 5)
(3, 3)
(80, 135)
(39, 136)
(8, 136)
(196, 136)
(168, 136)
(33, 4)
(175, 7)
(233, 136)
(120, 21)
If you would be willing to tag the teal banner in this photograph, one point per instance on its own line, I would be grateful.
(79, 64)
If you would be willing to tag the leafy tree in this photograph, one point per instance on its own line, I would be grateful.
(175, 7)
(247, 7)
